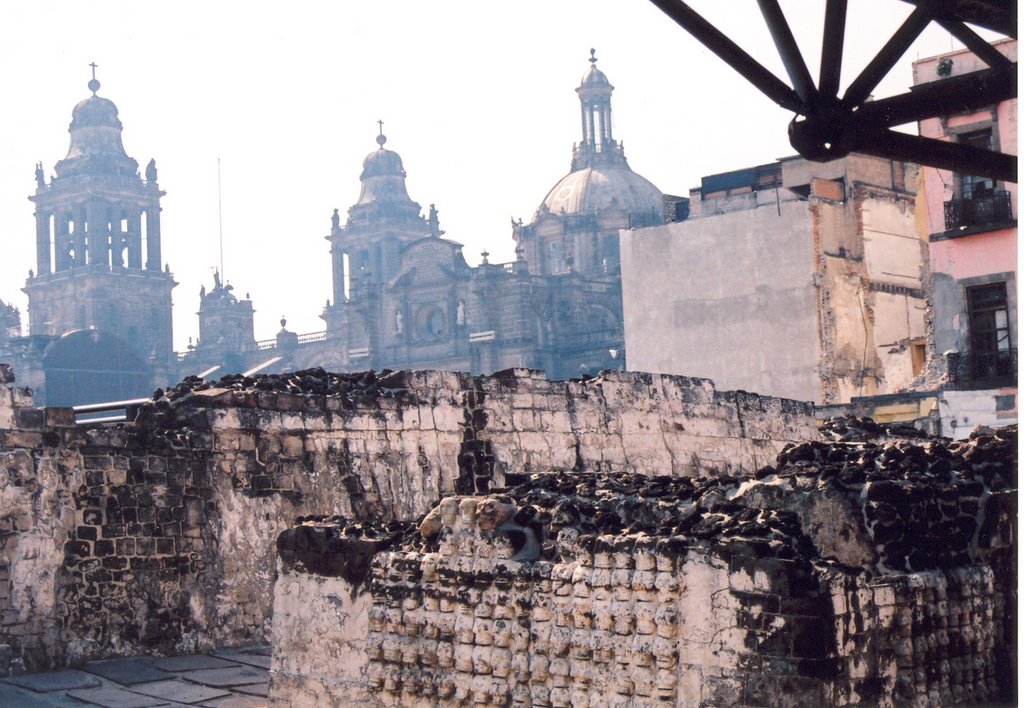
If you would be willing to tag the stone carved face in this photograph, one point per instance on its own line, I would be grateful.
(431, 524)
(449, 511)
(492, 513)
(644, 612)
(428, 653)
(464, 658)
(667, 618)
(501, 662)
(482, 660)
(428, 567)
(643, 555)
(467, 512)
(665, 653)
(392, 650)
(445, 655)
(482, 632)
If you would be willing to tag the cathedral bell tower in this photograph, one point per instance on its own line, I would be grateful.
(98, 260)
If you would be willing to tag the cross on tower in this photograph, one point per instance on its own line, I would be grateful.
(380, 123)
(93, 84)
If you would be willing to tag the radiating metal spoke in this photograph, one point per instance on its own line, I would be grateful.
(958, 157)
(985, 51)
(958, 94)
(887, 57)
(833, 36)
(827, 127)
(731, 53)
(788, 51)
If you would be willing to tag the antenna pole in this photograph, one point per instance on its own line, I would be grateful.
(220, 224)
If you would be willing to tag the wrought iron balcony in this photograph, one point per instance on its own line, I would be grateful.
(991, 367)
(979, 210)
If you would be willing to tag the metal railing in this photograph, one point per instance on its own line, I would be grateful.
(265, 344)
(979, 210)
(109, 412)
(981, 367)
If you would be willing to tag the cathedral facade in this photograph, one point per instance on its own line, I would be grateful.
(403, 295)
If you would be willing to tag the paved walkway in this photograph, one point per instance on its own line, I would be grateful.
(232, 678)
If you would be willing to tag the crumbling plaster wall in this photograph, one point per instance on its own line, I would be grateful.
(873, 264)
(159, 535)
(834, 265)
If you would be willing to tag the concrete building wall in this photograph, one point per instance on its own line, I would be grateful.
(813, 289)
(730, 297)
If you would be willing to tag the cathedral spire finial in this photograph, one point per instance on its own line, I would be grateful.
(593, 57)
(381, 139)
(94, 85)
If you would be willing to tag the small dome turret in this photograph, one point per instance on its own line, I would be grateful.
(594, 77)
(96, 146)
(383, 175)
(600, 178)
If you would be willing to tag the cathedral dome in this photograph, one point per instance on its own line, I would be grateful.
(382, 163)
(95, 111)
(96, 146)
(383, 177)
(595, 189)
(601, 178)
(595, 77)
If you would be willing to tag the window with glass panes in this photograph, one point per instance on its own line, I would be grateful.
(989, 330)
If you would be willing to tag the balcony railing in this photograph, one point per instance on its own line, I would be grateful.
(979, 210)
(996, 367)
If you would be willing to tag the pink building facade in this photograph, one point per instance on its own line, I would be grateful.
(972, 233)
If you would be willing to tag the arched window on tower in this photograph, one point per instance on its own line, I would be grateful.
(346, 276)
(54, 243)
(144, 232)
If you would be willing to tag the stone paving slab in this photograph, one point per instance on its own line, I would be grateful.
(191, 662)
(180, 691)
(14, 696)
(254, 689)
(235, 676)
(237, 702)
(244, 657)
(126, 671)
(115, 697)
(57, 681)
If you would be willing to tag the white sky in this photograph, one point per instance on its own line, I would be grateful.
(477, 97)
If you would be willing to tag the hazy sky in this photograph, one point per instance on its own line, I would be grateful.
(477, 97)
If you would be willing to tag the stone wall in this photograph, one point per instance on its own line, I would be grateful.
(158, 535)
(850, 573)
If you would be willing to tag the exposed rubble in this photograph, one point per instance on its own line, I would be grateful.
(795, 586)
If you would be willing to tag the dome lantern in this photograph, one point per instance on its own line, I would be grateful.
(96, 145)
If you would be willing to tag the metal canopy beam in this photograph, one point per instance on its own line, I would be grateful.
(728, 51)
(996, 15)
(827, 126)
